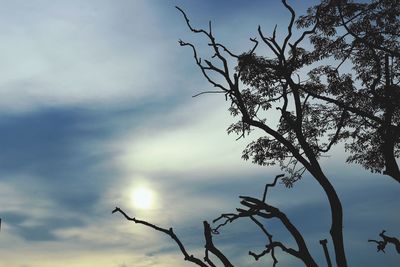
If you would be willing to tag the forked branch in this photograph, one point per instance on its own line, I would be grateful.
(381, 244)
(259, 208)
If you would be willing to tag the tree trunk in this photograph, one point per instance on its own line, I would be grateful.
(392, 169)
(336, 230)
(390, 135)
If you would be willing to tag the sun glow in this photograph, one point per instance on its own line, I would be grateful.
(142, 198)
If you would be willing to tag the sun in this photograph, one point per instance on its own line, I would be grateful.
(142, 198)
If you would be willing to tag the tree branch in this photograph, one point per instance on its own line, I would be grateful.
(256, 207)
(363, 39)
(168, 232)
(210, 246)
(385, 241)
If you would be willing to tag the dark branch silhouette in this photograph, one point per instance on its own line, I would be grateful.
(365, 36)
(254, 209)
(381, 244)
(323, 243)
(296, 139)
(168, 232)
(360, 107)
(260, 208)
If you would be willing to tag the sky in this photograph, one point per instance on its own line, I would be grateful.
(96, 111)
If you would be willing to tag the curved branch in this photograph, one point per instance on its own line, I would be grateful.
(168, 232)
(271, 185)
(256, 207)
(210, 246)
(290, 26)
(336, 135)
(381, 244)
(272, 250)
(203, 68)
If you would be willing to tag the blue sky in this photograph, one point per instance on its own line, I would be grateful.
(95, 101)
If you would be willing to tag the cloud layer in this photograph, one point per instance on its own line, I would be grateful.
(95, 100)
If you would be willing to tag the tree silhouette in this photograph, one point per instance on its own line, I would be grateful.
(364, 36)
(269, 83)
(254, 209)
(315, 111)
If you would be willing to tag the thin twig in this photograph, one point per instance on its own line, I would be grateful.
(168, 232)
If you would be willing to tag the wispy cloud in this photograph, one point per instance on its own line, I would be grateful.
(95, 101)
(81, 54)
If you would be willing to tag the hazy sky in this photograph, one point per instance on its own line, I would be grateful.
(95, 104)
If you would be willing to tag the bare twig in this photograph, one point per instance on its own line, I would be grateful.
(259, 208)
(264, 230)
(323, 243)
(337, 133)
(208, 92)
(168, 232)
(381, 244)
(211, 248)
(290, 26)
(271, 185)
